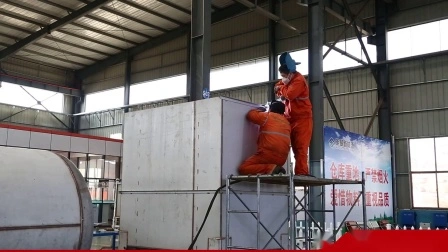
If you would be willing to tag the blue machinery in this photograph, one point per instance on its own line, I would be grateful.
(114, 235)
(295, 206)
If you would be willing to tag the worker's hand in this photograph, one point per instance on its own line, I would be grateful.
(276, 88)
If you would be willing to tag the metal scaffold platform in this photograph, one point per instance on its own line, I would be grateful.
(295, 205)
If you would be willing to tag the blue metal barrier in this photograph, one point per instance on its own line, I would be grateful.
(107, 233)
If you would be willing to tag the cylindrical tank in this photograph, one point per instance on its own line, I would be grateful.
(45, 202)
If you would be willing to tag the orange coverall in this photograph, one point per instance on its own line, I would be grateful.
(298, 111)
(273, 143)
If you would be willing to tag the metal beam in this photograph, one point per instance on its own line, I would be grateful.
(95, 18)
(337, 10)
(51, 48)
(200, 53)
(36, 53)
(127, 83)
(316, 82)
(333, 106)
(217, 16)
(175, 6)
(348, 55)
(384, 113)
(82, 26)
(54, 39)
(262, 11)
(123, 15)
(272, 51)
(341, 35)
(54, 26)
(40, 24)
(152, 12)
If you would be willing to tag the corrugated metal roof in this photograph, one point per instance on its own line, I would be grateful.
(114, 27)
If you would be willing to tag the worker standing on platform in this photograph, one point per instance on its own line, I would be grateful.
(273, 141)
(294, 92)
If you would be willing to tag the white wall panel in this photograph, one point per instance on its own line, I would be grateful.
(239, 138)
(40, 140)
(18, 138)
(78, 144)
(97, 146)
(3, 136)
(175, 211)
(207, 174)
(172, 163)
(113, 148)
(61, 143)
(158, 167)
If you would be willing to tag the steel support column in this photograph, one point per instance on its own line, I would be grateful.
(384, 114)
(77, 103)
(199, 78)
(272, 51)
(316, 82)
(127, 83)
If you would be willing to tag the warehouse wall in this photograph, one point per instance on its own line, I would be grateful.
(38, 72)
(354, 93)
(420, 108)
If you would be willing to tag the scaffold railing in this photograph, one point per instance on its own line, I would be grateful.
(295, 206)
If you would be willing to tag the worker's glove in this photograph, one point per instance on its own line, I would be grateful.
(262, 108)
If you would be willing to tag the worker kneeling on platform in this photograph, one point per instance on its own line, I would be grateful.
(273, 141)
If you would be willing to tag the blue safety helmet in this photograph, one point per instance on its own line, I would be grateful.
(285, 59)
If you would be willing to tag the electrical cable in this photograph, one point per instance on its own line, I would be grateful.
(208, 212)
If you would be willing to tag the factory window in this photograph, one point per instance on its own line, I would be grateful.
(429, 172)
(116, 136)
(161, 89)
(335, 60)
(80, 160)
(23, 96)
(417, 40)
(109, 99)
(102, 172)
(241, 74)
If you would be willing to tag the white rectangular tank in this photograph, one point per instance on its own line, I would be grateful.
(174, 158)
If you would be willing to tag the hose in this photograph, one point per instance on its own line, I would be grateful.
(208, 212)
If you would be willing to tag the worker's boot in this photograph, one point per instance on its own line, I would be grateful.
(278, 170)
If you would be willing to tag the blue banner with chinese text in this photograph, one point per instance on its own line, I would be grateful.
(347, 155)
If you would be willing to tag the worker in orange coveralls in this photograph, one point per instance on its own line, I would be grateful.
(273, 141)
(294, 92)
